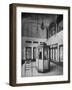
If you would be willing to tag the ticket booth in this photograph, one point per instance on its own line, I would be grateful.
(43, 60)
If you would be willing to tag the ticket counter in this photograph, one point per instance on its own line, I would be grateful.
(43, 60)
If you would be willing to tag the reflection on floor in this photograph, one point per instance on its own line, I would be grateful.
(54, 70)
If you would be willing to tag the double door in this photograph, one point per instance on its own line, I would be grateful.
(30, 54)
(54, 53)
(61, 53)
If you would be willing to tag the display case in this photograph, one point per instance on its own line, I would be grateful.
(43, 58)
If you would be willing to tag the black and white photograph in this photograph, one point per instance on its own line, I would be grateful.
(41, 45)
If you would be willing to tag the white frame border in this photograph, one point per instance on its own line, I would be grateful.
(63, 77)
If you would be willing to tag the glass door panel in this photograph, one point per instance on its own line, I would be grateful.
(55, 53)
(34, 53)
(45, 54)
(61, 53)
(28, 53)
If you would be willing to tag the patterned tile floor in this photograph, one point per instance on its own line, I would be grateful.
(32, 71)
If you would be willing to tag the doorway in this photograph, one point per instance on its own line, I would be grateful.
(28, 53)
(34, 53)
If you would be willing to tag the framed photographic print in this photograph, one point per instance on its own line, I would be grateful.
(39, 44)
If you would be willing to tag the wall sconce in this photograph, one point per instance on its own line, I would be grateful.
(42, 25)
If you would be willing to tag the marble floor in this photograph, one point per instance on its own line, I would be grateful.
(55, 69)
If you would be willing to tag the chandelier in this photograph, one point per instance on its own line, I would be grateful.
(42, 24)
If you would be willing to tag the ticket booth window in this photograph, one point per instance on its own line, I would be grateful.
(45, 54)
(40, 55)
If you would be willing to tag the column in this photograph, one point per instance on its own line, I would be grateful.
(32, 50)
(56, 24)
(58, 54)
(24, 53)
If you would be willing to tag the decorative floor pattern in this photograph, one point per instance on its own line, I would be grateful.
(32, 71)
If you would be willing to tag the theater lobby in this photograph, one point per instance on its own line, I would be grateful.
(42, 44)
